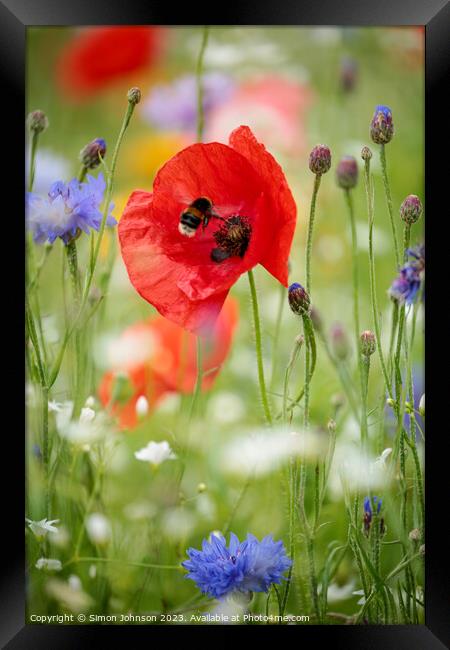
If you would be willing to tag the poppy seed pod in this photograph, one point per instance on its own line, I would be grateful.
(411, 209)
(90, 154)
(37, 121)
(320, 159)
(382, 126)
(347, 172)
(299, 300)
(367, 343)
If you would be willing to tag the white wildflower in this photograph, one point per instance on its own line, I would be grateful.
(262, 452)
(49, 564)
(69, 594)
(226, 408)
(98, 528)
(155, 453)
(42, 527)
(381, 460)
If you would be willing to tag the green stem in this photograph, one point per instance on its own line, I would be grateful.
(373, 290)
(45, 450)
(144, 565)
(34, 144)
(108, 195)
(294, 355)
(312, 213)
(200, 112)
(258, 345)
(276, 336)
(198, 382)
(357, 330)
(387, 191)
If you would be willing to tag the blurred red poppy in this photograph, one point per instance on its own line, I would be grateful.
(276, 107)
(99, 56)
(184, 277)
(159, 357)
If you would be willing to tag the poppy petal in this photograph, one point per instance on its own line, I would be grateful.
(284, 210)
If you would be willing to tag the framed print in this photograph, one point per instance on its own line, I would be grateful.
(224, 323)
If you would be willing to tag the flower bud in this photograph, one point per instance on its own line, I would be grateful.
(134, 95)
(414, 535)
(331, 426)
(141, 406)
(422, 406)
(382, 126)
(37, 121)
(320, 159)
(367, 343)
(90, 154)
(347, 172)
(411, 209)
(201, 487)
(299, 300)
(339, 341)
(390, 402)
(366, 153)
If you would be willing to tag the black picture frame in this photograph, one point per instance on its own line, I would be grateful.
(15, 17)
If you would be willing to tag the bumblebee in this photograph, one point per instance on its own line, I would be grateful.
(198, 212)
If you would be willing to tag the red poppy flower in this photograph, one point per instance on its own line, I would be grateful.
(98, 56)
(181, 276)
(159, 357)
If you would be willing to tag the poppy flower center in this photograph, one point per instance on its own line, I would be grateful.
(232, 238)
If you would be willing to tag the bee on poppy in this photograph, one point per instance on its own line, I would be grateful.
(198, 212)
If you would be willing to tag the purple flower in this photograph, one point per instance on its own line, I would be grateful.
(218, 569)
(68, 208)
(406, 285)
(174, 105)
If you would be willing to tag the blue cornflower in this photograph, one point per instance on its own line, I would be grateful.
(376, 504)
(218, 569)
(67, 209)
(408, 282)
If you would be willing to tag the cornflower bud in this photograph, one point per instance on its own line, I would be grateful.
(90, 154)
(37, 121)
(367, 343)
(382, 126)
(320, 159)
(347, 172)
(299, 300)
(366, 153)
(411, 209)
(134, 95)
